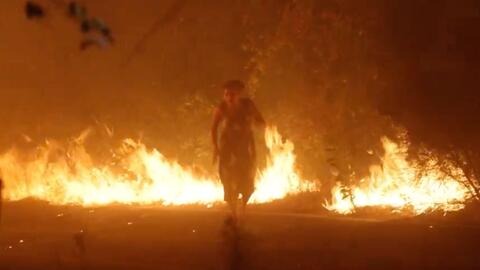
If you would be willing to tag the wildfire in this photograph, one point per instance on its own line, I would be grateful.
(279, 178)
(67, 175)
(397, 184)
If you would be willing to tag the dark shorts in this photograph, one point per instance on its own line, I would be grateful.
(237, 168)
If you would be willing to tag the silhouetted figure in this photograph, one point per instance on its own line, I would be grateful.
(235, 149)
(34, 10)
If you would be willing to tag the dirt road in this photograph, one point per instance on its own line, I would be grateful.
(35, 235)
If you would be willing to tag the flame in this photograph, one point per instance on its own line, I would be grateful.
(66, 174)
(395, 184)
(137, 175)
(280, 175)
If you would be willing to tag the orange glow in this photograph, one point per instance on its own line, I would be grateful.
(67, 175)
(394, 184)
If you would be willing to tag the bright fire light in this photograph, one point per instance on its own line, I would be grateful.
(67, 175)
(395, 184)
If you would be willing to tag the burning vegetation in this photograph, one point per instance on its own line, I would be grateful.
(66, 174)
(402, 186)
(366, 92)
(370, 109)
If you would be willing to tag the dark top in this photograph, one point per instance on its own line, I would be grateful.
(238, 120)
(237, 127)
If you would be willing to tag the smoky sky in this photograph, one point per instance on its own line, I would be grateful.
(423, 54)
(49, 86)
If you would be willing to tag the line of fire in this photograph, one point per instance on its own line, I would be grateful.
(234, 134)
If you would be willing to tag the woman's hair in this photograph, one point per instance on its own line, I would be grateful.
(236, 85)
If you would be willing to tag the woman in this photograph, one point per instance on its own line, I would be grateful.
(235, 149)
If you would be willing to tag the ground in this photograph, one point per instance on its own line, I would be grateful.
(35, 235)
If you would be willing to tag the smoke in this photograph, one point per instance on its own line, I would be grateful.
(433, 88)
(335, 76)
